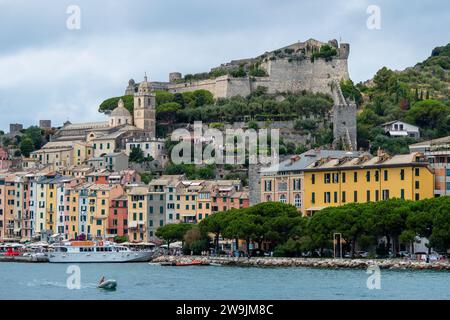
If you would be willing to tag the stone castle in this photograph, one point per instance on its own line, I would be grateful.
(292, 68)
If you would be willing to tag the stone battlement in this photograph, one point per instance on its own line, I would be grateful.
(290, 68)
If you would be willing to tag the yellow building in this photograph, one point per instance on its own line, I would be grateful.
(61, 154)
(335, 182)
(204, 201)
(99, 200)
(71, 222)
(283, 182)
(186, 201)
(50, 206)
(137, 214)
(82, 151)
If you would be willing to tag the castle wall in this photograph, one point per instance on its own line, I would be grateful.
(284, 75)
(209, 85)
(314, 76)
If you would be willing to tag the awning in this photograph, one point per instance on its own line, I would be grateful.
(132, 224)
(315, 208)
(56, 235)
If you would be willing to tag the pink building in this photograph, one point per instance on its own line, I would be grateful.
(5, 163)
(118, 217)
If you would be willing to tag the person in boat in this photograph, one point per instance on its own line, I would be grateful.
(102, 280)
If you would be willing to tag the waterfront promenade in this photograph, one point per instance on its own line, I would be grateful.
(399, 264)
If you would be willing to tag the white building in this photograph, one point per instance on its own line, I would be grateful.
(401, 129)
(150, 147)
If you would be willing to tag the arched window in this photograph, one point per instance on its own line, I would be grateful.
(297, 201)
(120, 121)
(283, 198)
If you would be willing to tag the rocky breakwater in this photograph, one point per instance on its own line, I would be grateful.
(395, 264)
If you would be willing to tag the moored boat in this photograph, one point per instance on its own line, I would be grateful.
(96, 252)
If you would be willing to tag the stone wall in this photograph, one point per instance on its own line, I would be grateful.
(283, 75)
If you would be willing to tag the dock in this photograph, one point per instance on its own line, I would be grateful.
(28, 259)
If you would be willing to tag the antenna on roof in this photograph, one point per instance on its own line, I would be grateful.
(145, 76)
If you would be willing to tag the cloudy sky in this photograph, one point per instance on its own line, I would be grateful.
(48, 71)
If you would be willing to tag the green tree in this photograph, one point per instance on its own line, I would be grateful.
(26, 147)
(136, 155)
(173, 232)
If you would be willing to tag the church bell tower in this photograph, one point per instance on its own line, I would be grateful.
(144, 108)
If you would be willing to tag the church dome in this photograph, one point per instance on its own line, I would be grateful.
(120, 111)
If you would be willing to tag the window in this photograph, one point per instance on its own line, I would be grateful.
(327, 178)
(355, 176)
(368, 176)
(355, 196)
(297, 201)
(417, 172)
(200, 216)
(386, 175)
(343, 177)
(141, 216)
(335, 197)
(385, 194)
(343, 197)
(297, 184)
(326, 197)
(99, 222)
(335, 177)
(368, 196)
(267, 185)
(402, 194)
(417, 197)
(402, 174)
(282, 186)
(313, 179)
(313, 197)
(377, 175)
(448, 172)
(417, 185)
(283, 198)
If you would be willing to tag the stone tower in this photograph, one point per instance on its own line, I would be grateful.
(144, 108)
(344, 120)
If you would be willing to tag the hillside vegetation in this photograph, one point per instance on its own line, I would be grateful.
(418, 95)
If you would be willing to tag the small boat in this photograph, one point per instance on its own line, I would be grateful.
(215, 264)
(108, 284)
